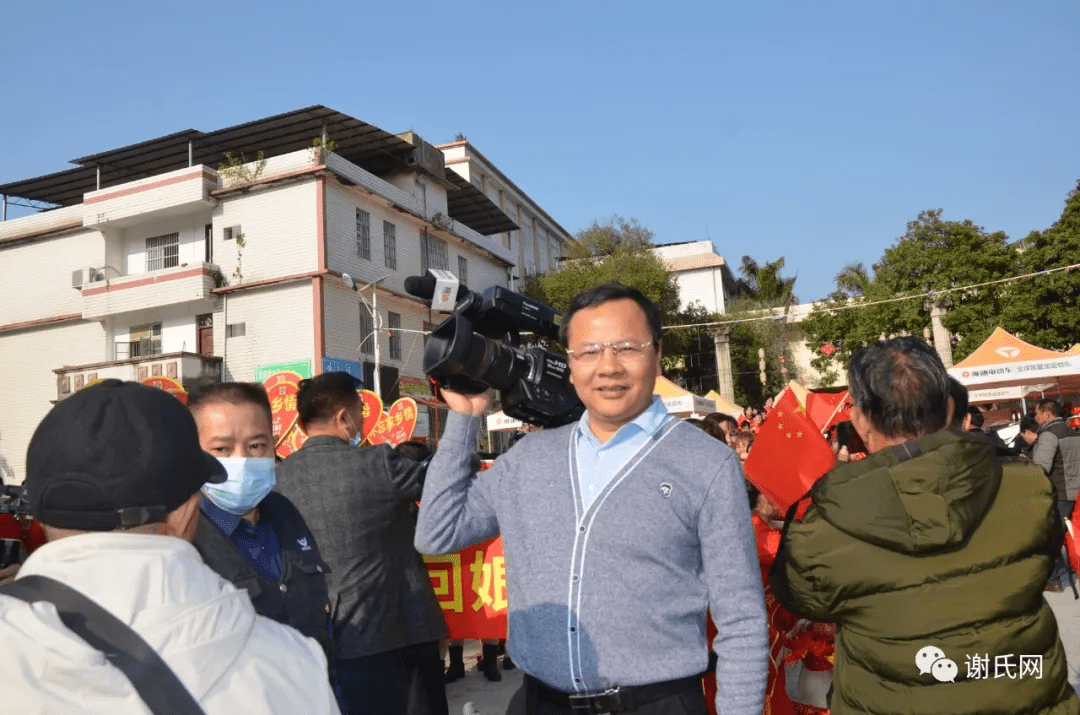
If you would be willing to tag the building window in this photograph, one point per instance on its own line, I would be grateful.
(463, 269)
(433, 254)
(393, 323)
(236, 330)
(163, 252)
(389, 244)
(209, 239)
(367, 332)
(232, 232)
(363, 234)
(144, 340)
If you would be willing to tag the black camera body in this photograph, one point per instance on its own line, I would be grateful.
(478, 347)
(13, 500)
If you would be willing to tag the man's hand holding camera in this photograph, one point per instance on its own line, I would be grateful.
(473, 405)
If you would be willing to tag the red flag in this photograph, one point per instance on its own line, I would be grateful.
(1072, 539)
(828, 408)
(789, 453)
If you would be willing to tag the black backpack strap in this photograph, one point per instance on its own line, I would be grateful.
(154, 681)
(778, 580)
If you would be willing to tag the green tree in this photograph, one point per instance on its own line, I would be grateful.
(934, 255)
(616, 251)
(765, 295)
(1042, 309)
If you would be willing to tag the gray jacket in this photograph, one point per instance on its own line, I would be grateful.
(1055, 452)
(356, 503)
(615, 594)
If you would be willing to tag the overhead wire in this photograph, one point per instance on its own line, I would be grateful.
(854, 305)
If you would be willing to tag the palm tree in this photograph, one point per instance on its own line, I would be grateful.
(763, 286)
(852, 281)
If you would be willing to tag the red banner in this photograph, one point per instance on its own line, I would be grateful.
(471, 588)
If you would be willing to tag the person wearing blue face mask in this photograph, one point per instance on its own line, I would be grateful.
(248, 534)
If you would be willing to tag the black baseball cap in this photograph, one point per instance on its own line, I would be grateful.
(115, 455)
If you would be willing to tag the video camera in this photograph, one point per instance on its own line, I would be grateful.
(13, 506)
(478, 347)
(13, 500)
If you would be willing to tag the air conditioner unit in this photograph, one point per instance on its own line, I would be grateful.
(77, 278)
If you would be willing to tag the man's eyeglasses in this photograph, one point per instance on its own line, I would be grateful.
(624, 351)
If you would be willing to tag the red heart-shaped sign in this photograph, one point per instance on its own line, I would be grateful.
(372, 411)
(397, 425)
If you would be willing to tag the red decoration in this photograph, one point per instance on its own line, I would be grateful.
(1072, 539)
(282, 389)
(471, 588)
(789, 453)
(372, 411)
(827, 349)
(170, 386)
(397, 425)
(828, 408)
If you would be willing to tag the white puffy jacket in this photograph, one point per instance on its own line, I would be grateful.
(231, 660)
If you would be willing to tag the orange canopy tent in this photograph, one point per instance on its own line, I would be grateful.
(1005, 368)
(723, 405)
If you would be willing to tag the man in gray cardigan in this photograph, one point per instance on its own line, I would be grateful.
(620, 532)
(357, 504)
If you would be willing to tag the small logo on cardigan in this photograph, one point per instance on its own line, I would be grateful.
(665, 489)
(304, 545)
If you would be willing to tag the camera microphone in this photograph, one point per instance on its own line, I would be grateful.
(424, 287)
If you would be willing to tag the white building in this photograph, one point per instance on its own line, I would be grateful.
(539, 241)
(151, 261)
(702, 274)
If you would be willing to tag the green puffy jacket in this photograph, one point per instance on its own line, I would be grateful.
(932, 544)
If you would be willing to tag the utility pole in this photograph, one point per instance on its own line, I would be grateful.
(373, 309)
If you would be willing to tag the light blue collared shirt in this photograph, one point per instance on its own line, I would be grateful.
(598, 463)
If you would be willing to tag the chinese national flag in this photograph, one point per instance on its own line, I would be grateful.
(828, 408)
(789, 453)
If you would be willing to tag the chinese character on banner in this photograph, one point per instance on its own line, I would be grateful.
(445, 573)
(282, 388)
(489, 582)
(395, 426)
(473, 597)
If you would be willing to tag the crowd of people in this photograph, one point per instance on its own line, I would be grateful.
(185, 571)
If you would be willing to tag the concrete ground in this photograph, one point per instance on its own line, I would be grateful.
(1067, 610)
(489, 698)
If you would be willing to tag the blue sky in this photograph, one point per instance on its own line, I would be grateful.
(813, 131)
